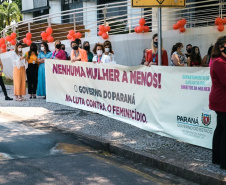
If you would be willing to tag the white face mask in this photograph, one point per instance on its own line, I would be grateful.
(42, 48)
(80, 45)
(99, 52)
(107, 50)
(182, 50)
(19, 49)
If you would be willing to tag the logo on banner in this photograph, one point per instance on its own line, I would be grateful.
(206, 119)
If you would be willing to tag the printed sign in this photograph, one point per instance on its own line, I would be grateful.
(169, 101)
(158, 3)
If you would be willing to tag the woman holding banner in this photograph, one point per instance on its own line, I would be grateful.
(217, 101)
(58, 54)
(98, 51)
(152, 54)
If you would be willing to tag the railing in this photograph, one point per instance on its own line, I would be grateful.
(119, 16)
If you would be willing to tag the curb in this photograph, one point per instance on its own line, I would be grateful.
(138, 156)
(147, 160)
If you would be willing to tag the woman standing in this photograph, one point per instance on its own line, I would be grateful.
(86, 47)
(32, 70)
(58, 53)
(152, 54)
(217, 101)
(44, 54)
(177, 56)
(206, 58)
(98, 51)
(195, 58)
(19, 74)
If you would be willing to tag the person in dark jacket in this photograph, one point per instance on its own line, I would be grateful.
(217, 101)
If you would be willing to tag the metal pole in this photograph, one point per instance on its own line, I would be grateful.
(74, 22)
(105, 12)
(159, 36)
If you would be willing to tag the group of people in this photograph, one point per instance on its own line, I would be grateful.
(216, 60)
(178, 57)
(32, 64)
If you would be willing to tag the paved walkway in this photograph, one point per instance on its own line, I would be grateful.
(182, 159)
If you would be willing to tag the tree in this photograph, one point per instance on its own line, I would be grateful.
(19, 3)
(9, 12)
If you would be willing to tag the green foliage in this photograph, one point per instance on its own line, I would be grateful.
(9, 12)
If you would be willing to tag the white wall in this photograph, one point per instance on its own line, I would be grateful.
(90, 18)
(27, 4)
(55, 6)
(129, 48)
(27, 16)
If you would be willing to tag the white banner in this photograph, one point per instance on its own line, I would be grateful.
(169, 101)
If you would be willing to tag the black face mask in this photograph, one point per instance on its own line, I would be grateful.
(224, 51)
(155, 44)
(75, 48)
(58, 46)
(63, 48)
(87, 48)
(189, 50)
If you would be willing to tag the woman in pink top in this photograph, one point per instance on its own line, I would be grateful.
(217, 101)
(58, 53)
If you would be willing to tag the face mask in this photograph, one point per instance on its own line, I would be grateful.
(87, 48)
(196, 52)
(107, 50)
(19, 49)
(58, 46)
(182, 50)
(189, 50)
(80, 45)
(224, 51)
(99, 52)
(42, 48)
(75, 48)
(155, 44)
(63, 48)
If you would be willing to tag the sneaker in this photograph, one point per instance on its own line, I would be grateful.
(8, 98)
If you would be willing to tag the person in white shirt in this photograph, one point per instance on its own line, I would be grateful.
(98, 51)
(19, 74)
(108, 53)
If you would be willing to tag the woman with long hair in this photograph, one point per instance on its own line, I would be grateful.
(152, 54)
(86, 46)
(195, 58)
(108, 55)
(177, 56)
(206, 59)
(19, 73)
(32, 70)
(44, 54)
(217, 101)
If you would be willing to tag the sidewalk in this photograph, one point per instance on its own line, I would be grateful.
(181, 159)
